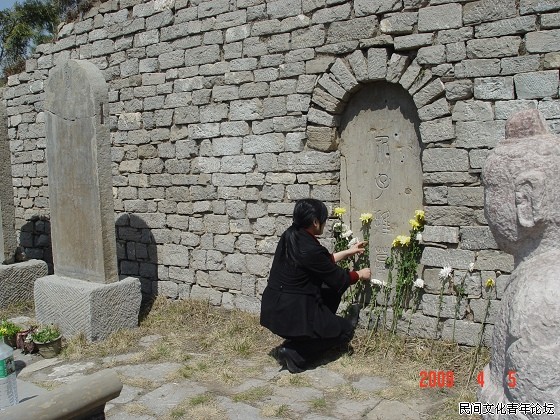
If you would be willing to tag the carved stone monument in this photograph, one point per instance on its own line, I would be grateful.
(84, 294)
(522, 205)
(16, 279)
(380, 165)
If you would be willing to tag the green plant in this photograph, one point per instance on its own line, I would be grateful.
(8, 328)
(342, 235)
(343, 240)
(489, 285)
(45, 334)
(406, 252)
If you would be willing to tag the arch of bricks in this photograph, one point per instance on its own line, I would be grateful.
(348, 74)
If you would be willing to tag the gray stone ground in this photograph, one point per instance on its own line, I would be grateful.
(312, 398)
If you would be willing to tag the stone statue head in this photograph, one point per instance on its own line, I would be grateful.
(522, 185)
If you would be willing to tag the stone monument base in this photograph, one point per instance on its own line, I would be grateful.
(94, 309)
(17, 280)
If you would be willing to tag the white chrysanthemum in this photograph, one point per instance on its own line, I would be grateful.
(353, 242)
(445, 273)
(376, 282)
(419, 283)
(347, 234)
(419, 237)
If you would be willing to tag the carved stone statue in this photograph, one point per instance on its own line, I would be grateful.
(522, 206)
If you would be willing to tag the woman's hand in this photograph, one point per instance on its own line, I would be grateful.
(357, 248)
(364, 273)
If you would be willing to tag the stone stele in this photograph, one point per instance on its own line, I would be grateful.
(522, 206)
(84, 295)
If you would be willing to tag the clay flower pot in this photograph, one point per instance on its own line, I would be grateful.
(47, 340)
(49, 349)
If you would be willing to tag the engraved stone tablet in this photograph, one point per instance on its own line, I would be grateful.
(380, 166)
(78, 156)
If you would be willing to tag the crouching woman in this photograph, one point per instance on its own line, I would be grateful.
(305, 287)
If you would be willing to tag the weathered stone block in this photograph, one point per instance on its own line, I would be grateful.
(472, 111)
(494, 260)
(322, 138)
(485, 310)
(466, 332)
(542, 41)
(399, 24)
(450, 215)
(429, 93)
(493, 47)
(358, 28)
(477, 237)
(471, 196)
(537, 6)
(371, 7)
(437, 109)
(454, 258)
(472, 134)
(488, 10)
(505, 109)
(477, 158)
(412, 42)
(536, 85)
(445, 159)
(435, 195)
(516, 25)
(434, 18)
(93, 309)
(552, 60)
(477, 67)
(432, 306)
(437, 130)
(17, 281)
(455, 52)
(431, 55)
(460, 89)
(439, 234)
(523, 64)
(377, 63)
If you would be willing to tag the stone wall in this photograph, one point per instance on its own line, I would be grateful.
(224, 112)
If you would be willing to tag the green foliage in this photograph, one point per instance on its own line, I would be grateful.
(406, 252)
(45, 334)
(342, 241)
(8, 328)
(29, 24)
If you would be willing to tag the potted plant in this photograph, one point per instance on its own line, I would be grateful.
(47, 340)
(9, 330)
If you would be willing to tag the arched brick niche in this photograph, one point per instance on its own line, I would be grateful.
(350, 73)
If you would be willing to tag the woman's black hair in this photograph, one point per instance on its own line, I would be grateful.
(306, 211)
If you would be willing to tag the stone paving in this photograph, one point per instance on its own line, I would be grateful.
(153, 390)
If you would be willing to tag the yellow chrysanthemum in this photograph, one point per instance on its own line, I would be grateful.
(366, 218)
(419, 216)
(490, 283)
(401, 240)
(339, 211)
(405, 240)
(414, 223)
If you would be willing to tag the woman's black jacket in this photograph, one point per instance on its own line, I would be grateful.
(291, 303)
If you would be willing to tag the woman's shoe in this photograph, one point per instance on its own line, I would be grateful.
(288, 356)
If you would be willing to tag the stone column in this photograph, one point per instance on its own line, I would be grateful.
(84, 295)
